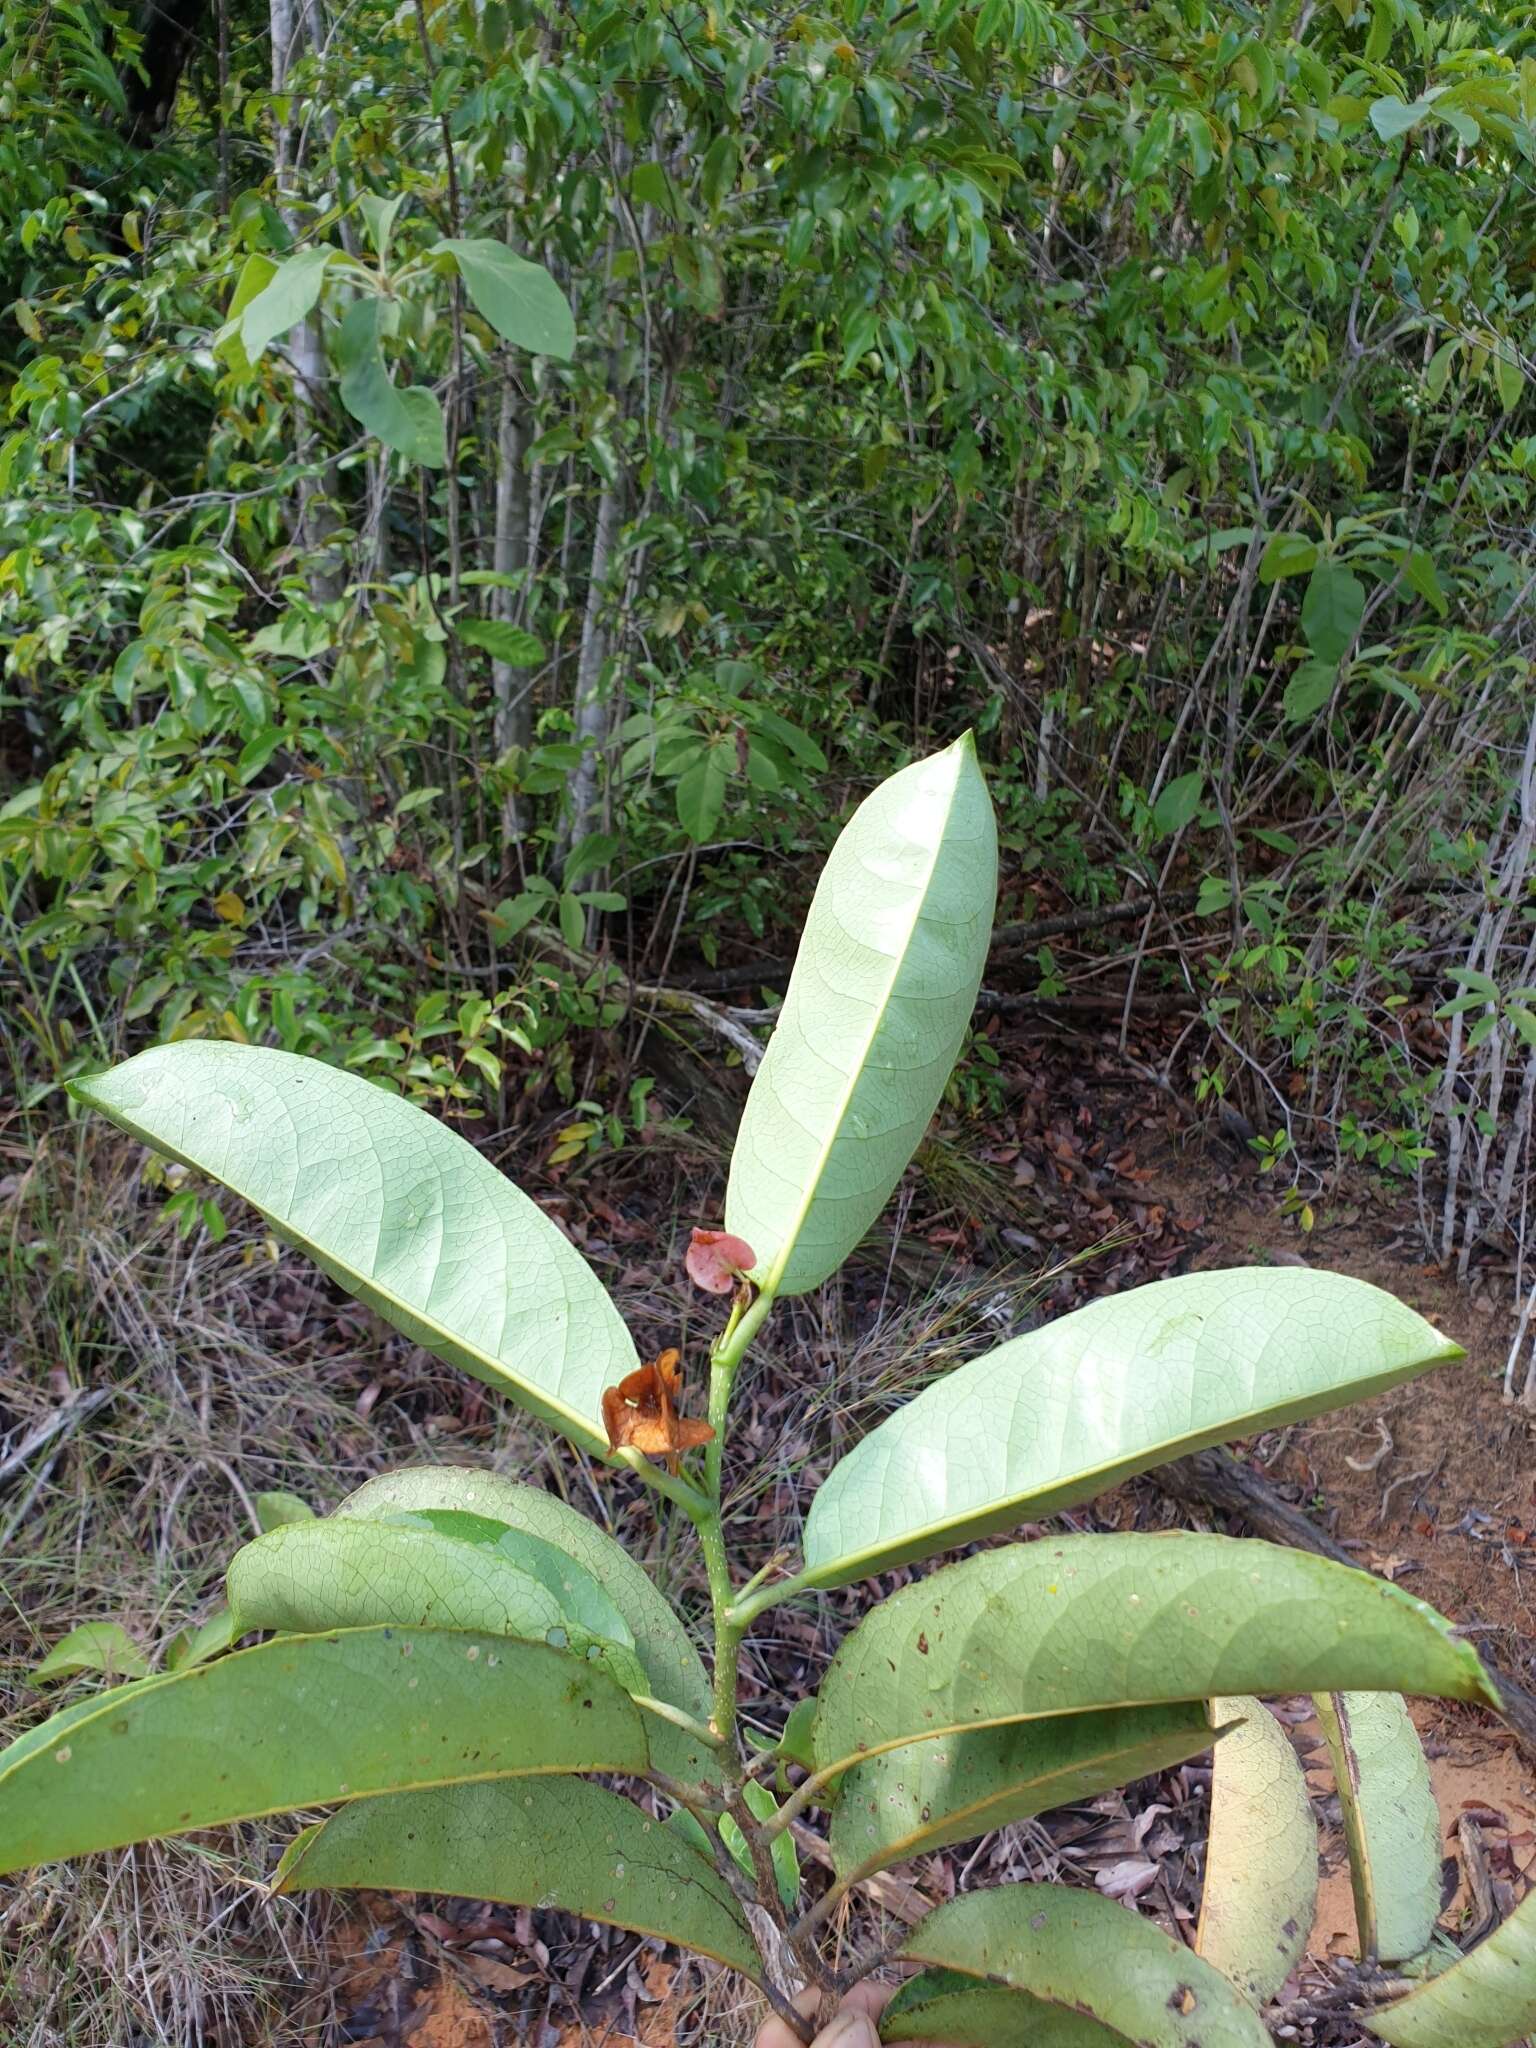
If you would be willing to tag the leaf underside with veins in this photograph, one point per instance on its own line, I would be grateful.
(303, 1721)
(1260, 1894)
(1065, 1412)
(663, 1645)
(549, 1842)
(397, 1208)
(1059, 1626)
(1073, 1950)
(1391, 1821)
(927, 1795)
(873, 1020)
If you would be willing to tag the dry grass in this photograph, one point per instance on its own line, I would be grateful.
(230, 1369)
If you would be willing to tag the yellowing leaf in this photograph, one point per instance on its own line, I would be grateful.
(1261, 1854)
(1391, 1822)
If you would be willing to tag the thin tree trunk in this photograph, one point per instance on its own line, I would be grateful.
(592, 678)
(313, 519)
(511, 687)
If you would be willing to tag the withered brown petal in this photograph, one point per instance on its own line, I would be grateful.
(639, 1414)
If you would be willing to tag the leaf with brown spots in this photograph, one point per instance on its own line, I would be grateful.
(1048, 1947)
(640, 1413)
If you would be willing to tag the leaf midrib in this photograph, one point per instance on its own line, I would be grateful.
(574, 1425)
(775, 1276)
(900, 1850)
(863, 1563)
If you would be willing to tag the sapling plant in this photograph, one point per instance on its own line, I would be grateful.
(497, 1702)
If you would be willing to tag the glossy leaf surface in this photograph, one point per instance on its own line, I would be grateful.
(928, 1794)
(947, 2006)
(554, 1842)
(1260, 1893)
(301, 1722)
(1056, 1627)
(661, 1642)
(1078, 1952)
(397, 1208)
(874, 1017)
(1391, 1821)
(1128, 1382)
(1487, 2000)
(442, 1572)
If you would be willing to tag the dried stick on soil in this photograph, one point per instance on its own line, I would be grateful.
(62, 1422)
(1214, 1479)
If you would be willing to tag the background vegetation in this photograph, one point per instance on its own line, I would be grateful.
(1146, 387)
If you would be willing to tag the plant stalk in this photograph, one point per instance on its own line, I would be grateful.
(725, 1357)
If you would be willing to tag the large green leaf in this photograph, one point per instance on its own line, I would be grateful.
(661, 1642)
(557, 1842)
(1260, 1893)
(961, 2011)
(874, 1017)
(1056, 1627)
(300, 1722)
(1129, 1382)
(401, 1211)
(928, 1794)
(440, 1571)
(409, 420)
(1487, 2000)
(1391, 1821)
(289, 295)
(520, 299)
(1332, 610)
(1076, 1952)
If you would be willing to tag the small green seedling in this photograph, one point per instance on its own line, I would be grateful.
(451, 1658)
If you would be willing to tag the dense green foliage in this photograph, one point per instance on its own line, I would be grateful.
(1144, 387)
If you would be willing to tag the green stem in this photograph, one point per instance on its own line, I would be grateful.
(729, 1350)
(666, 1712)
(805, 1794)
(727, 1638)
(746, 1610)
(694, 1504)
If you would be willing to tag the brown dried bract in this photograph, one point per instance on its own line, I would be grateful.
(640, 1413)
